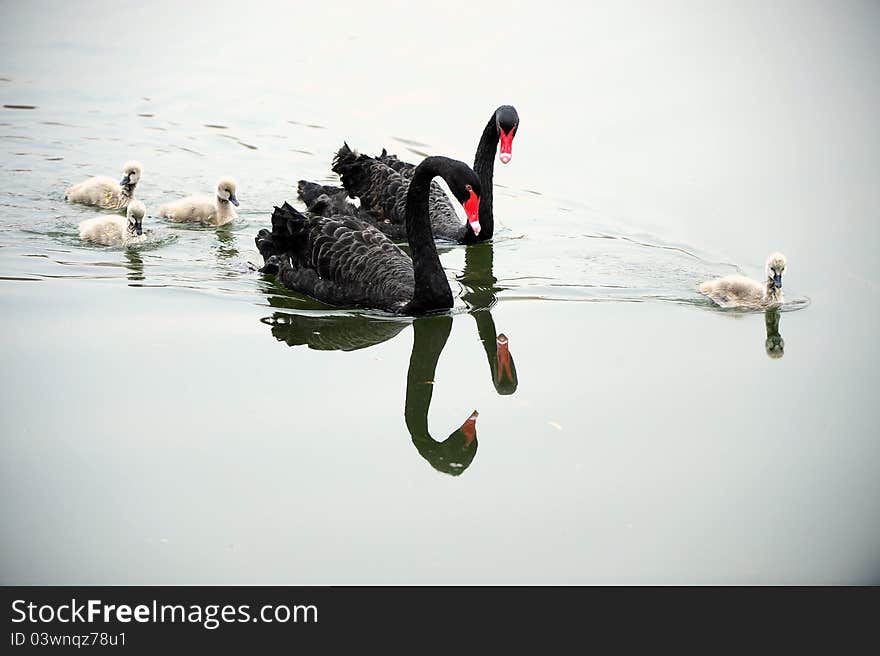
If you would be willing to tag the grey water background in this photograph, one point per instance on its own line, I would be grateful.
(170, 416)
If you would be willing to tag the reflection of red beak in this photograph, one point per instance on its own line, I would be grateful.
(469, 428)
(472, 209)
(503, 358)
(506, 153)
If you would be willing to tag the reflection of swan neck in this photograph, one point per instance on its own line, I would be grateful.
(455, 453)
(428, 343)
(774, 345)
(496, 346)
(478, 277)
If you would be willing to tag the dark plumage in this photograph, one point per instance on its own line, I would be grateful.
(326, 200)
(381, 190)
(344, 261)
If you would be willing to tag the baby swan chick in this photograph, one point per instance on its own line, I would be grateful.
(105, 192)
(215, 211)
(115, 230)
(742, 292)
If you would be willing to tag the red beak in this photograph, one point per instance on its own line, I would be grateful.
(506, 153)
(503, 358)
(469, 428)
(472, 209)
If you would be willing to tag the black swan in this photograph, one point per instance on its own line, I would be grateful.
(342, 261)
(377, 191)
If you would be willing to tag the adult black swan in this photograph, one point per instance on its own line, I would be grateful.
(342, 261)
(377, 189)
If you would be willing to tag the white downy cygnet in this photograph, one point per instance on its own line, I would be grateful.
(105, 192)
(742, 292)
(212, 211)
(114, 230)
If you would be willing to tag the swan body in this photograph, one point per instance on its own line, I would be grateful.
(343, 261)
(216, 211)
(113, 230)
(105, 192)
(382, 192)
(739, 291)
(379, 191)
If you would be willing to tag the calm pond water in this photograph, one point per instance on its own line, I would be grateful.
(170, 416)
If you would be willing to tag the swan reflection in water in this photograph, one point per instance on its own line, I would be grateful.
(481, 295)
(135, 265)
(774, 344)
(350, 332)
(225, 248)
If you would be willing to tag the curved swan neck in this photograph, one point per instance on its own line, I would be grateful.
(429, 338)
(431, 287)
(487, 332)
(484, 167)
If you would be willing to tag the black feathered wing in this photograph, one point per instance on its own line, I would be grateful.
(382, 190)
(337, 260)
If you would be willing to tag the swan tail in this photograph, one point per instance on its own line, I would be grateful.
(265, 243)
(287, 222)
(353, 169)
(287, 235)
(380, 189)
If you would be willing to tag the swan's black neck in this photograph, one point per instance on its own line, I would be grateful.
(484, 167)
(431, 287)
